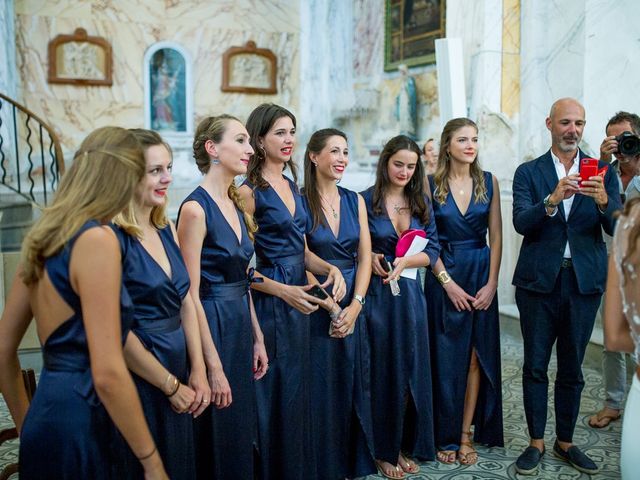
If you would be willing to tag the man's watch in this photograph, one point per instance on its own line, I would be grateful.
(548, 203)
(360, 299)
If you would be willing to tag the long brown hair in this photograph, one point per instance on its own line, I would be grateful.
(413, 190)
(159, 219)
(441, 177)
(632, 239)
(316, 143)
(213, 128)
(103, 176)
(259, 123)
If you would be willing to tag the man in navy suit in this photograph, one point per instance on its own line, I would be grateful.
(559, 277)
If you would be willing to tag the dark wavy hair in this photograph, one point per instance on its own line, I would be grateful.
(259, 123)
(413, 191)
(316, 143)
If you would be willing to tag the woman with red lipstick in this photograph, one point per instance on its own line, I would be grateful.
(397, 325)
(282, 302)
(216, 240)
(337, 231)
(461, 298)
(163, 347)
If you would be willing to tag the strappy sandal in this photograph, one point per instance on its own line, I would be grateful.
(471, 457)
(398, 475)
(446, 456)
(407, 465)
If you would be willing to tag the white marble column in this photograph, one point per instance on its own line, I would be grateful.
(8, 76)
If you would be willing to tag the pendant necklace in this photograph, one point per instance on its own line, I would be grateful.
(333, 210)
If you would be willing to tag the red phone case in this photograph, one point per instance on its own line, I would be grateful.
(588, 168)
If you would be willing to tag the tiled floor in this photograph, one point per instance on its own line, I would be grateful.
(497, 463)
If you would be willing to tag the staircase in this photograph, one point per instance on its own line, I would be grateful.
(31, 163)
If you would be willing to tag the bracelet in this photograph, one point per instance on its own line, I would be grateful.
(443, 277)
(176, 386)
(165, 385)
(155, 449)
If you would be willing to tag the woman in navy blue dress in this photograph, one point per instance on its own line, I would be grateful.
(163, 348)
(397, 325)
(70, 281)
(281, 300)
(338, 232)
(216, 240)
(462, 301)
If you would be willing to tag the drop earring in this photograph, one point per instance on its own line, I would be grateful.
(215, 161)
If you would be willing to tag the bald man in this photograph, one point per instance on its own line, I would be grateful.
(559, 278)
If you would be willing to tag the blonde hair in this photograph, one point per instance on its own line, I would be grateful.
(104, 174)
(158, 217)
(213, 128)
(441, 177)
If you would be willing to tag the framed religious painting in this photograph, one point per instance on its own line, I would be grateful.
(80, 59)
(411, 29)
(249, 69)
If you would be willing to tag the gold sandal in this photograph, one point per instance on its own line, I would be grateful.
(464, 457)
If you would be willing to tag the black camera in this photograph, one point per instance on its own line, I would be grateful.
(628, 144)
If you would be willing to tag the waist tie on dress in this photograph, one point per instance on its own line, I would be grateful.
(227, 291)
(342, 264)
(74, 363)
(161, 325)
(472, 244)
(288, 260)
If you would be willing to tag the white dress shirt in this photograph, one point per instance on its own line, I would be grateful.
(567, 202)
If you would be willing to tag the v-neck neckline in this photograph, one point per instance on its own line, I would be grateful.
(295, 204)
(233, 232)
(453, 198)
(335, 235)
(169, 275)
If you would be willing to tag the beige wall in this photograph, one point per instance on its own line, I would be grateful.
(202, 27)
(8, 265)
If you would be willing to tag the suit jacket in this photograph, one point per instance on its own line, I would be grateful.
(545, 237)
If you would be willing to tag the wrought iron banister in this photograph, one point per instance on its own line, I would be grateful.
(32, 168)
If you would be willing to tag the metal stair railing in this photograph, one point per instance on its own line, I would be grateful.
(31, 160)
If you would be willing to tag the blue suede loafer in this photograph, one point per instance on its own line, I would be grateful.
(577, 458)
(528, 461)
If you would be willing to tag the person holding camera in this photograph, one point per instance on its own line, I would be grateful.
(623, 143)
(559, 277)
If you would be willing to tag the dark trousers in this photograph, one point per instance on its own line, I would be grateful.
(566, 316)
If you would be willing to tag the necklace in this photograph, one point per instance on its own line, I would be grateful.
(333, 210)
(453, 184)
(398, 208)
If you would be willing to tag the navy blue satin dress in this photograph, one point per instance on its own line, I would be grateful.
(225, 438)
(400, 359)
(158, 300)
(67, 433)
(466, 257)
(284, 420)
(340, 395)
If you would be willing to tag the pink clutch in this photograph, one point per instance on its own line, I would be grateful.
(406, 239)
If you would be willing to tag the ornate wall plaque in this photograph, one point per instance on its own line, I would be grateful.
(249, 69)
(411, 28)
(79, 59)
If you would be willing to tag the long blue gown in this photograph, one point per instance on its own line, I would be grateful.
(226, 437)
(284, 420)
(67, 433)
(466, 257)
(158, 300)
(340, 395)
(400, 360)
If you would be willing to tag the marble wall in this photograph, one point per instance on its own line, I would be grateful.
(205, 29)
(8, 80)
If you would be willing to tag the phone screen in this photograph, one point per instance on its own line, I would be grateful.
(318, 292)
